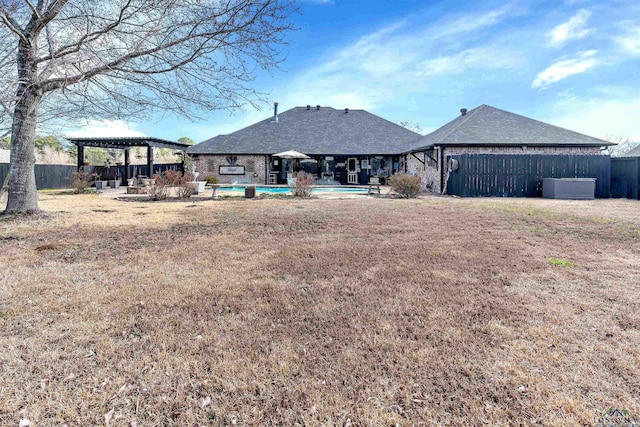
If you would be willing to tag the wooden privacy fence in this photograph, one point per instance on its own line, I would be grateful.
(58, 176)
(504, 175)
(625, 177)
(47, 176)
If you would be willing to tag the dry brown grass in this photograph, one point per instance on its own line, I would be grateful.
(435, 311)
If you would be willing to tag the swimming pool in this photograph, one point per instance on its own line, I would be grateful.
(285, 190)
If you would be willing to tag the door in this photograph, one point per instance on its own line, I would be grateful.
(352, 170)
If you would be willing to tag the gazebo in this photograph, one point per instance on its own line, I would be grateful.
(126, 143)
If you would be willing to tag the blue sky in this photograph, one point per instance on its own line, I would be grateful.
(573, 63)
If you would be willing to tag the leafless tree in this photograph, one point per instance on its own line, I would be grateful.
(624, 145)
(69, 59)
(412, 126)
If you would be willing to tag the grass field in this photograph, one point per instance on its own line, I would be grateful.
(436, 311)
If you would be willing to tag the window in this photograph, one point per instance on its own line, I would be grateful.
(251, 166)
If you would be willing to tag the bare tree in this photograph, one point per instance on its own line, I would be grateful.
(69, 59)
(622, 147)
(412, 126)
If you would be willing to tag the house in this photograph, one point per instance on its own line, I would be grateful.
(505, 137)
(344, 146)
(484, 151)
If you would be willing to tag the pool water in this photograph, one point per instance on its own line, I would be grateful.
(284, 190)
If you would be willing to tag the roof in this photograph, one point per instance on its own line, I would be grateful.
(126, 142)
(490, 126)
(323, 131)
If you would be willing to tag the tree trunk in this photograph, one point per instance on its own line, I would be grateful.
(23, 195)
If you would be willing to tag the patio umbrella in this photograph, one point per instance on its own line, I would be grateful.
(291, 154)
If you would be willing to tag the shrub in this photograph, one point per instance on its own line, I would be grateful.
(171, 179)
(184, 191)
(211, 179)
(80, 181)
(159, 191)
(301, 186)
(406, 185)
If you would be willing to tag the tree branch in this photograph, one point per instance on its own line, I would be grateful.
(33, 9)
(53, 84)
(40, 21)
(12, 25)
(87, 38)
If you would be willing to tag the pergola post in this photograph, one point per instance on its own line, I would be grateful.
(150, 160)
(80, 157)
(126, 164)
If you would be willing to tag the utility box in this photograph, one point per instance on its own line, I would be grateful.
(250, 191)
(569, 188)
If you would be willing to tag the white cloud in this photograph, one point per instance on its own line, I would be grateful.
(573, 29)
(490, 57)
(582, 62)
(630, 41)
(105, 128)
(599, 117)
(388, 66)
(393, 62)
(469, 23)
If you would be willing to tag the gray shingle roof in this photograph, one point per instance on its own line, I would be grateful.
(314, 132)
(490, 126)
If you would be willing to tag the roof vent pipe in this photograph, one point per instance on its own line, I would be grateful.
(308, 107)
(346, 110)
(463, 111)
(275, 112)
(318, 107)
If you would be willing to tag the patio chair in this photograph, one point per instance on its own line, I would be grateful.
(374, 185)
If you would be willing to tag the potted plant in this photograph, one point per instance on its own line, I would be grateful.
(115, 183)
(100, 183)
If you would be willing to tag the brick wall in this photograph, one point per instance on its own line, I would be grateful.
(425, 168)
(209, 165)
(588, 151)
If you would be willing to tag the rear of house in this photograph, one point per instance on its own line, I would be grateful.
(344, 147)
(483, 152)
(491, 152)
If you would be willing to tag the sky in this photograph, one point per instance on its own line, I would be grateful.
(572, 63)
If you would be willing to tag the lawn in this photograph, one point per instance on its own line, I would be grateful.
(437, 311)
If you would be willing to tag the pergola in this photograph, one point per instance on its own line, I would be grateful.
(126, 143)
